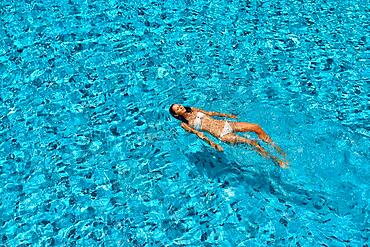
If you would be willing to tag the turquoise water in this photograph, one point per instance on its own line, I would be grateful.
(89, 154)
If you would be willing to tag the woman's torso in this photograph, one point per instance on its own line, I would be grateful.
(204, 122)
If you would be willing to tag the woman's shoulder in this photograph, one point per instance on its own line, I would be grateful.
(196, 110)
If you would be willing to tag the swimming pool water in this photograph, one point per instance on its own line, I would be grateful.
(89, 154)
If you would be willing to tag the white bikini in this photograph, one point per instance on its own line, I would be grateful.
(198, 120)
(198, 124)
(227, 129)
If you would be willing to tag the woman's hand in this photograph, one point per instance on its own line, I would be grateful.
(218, 147)
(232, 116)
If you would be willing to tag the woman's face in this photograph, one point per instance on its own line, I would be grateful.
(178, 109)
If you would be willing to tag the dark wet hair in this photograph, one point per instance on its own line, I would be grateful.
(181, 118)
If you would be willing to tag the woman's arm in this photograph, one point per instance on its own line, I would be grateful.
(213, 113)
(202, 136)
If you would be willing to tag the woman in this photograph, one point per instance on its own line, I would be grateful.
(196, 120)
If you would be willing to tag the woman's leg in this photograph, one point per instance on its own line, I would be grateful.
(234, 139)
(249, 127)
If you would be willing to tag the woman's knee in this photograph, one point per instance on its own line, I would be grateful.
(256, 128)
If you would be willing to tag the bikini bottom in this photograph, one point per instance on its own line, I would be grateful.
(227, 129)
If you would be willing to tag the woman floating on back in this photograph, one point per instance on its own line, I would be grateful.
(196, 120)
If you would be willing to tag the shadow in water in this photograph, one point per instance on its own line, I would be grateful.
(217, 166)
(213, 164)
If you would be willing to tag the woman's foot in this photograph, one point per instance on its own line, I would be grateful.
(280, 163)
(283, 164)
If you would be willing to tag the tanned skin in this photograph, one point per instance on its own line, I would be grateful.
(215, 128)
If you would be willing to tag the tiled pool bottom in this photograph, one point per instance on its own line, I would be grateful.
(90, 156)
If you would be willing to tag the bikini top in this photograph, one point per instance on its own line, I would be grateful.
(198, 120)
